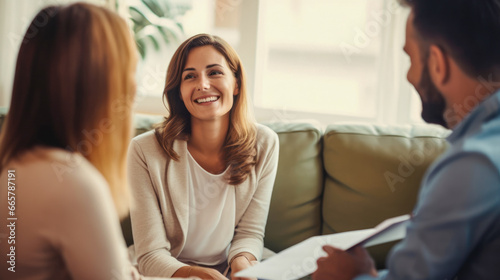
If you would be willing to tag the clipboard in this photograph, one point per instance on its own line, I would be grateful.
(299, 260)
(381, 231)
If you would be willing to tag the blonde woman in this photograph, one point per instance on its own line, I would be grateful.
(63, 148)
(202, 181)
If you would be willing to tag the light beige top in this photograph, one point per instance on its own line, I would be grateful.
(211, 224)
(66, 227)
(160, 218)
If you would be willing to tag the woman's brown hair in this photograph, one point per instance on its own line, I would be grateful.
(239, 147)
(73, 89)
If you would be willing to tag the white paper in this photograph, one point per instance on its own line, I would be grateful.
(300, 260)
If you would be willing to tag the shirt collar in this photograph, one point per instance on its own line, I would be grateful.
(479, 115)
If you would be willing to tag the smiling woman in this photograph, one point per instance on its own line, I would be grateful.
(202, 51)
(207, 88)
(202, 182)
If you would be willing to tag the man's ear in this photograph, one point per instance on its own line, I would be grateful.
(438, 64)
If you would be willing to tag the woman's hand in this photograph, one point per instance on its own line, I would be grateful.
(239, 263)
(200, 272)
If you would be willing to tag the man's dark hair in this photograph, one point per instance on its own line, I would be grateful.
(469, 30)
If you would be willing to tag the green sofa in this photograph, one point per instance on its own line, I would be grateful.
(345, 177)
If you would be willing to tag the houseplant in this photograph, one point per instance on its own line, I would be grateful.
(156, 23)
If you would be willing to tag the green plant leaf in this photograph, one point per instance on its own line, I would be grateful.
(155, 7)
(149, 33)
(138, 26)
(154, 22)
(180, 27)
(170, 25)
(163, 33)
(141, 47)
(155, 42)
(139, 15)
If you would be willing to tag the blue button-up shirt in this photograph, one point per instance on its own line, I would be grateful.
(455, 230)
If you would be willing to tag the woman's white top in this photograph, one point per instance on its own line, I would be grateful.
(212, 217)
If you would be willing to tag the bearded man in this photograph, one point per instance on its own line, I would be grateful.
(454, 233)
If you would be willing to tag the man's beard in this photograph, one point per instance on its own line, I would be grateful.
(434, 107)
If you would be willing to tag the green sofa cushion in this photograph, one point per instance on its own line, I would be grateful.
(295, 211)
(145, 122)
(374, 173)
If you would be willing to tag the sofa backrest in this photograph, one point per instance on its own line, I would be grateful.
(295, 212)
(374, 172)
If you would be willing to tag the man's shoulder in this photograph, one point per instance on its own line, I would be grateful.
(474, 163)
(484, 144)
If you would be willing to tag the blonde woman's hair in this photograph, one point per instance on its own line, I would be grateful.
(73, 89)
(239, 147)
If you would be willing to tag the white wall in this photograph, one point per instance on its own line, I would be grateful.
(15, 16)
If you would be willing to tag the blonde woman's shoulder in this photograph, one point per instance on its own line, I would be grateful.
(58, 172)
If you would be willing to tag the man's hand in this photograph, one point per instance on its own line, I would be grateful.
(240, 263)
(200, 272)
(344, 265)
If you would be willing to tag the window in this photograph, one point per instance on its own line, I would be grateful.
(314, 63)
(334, 61)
